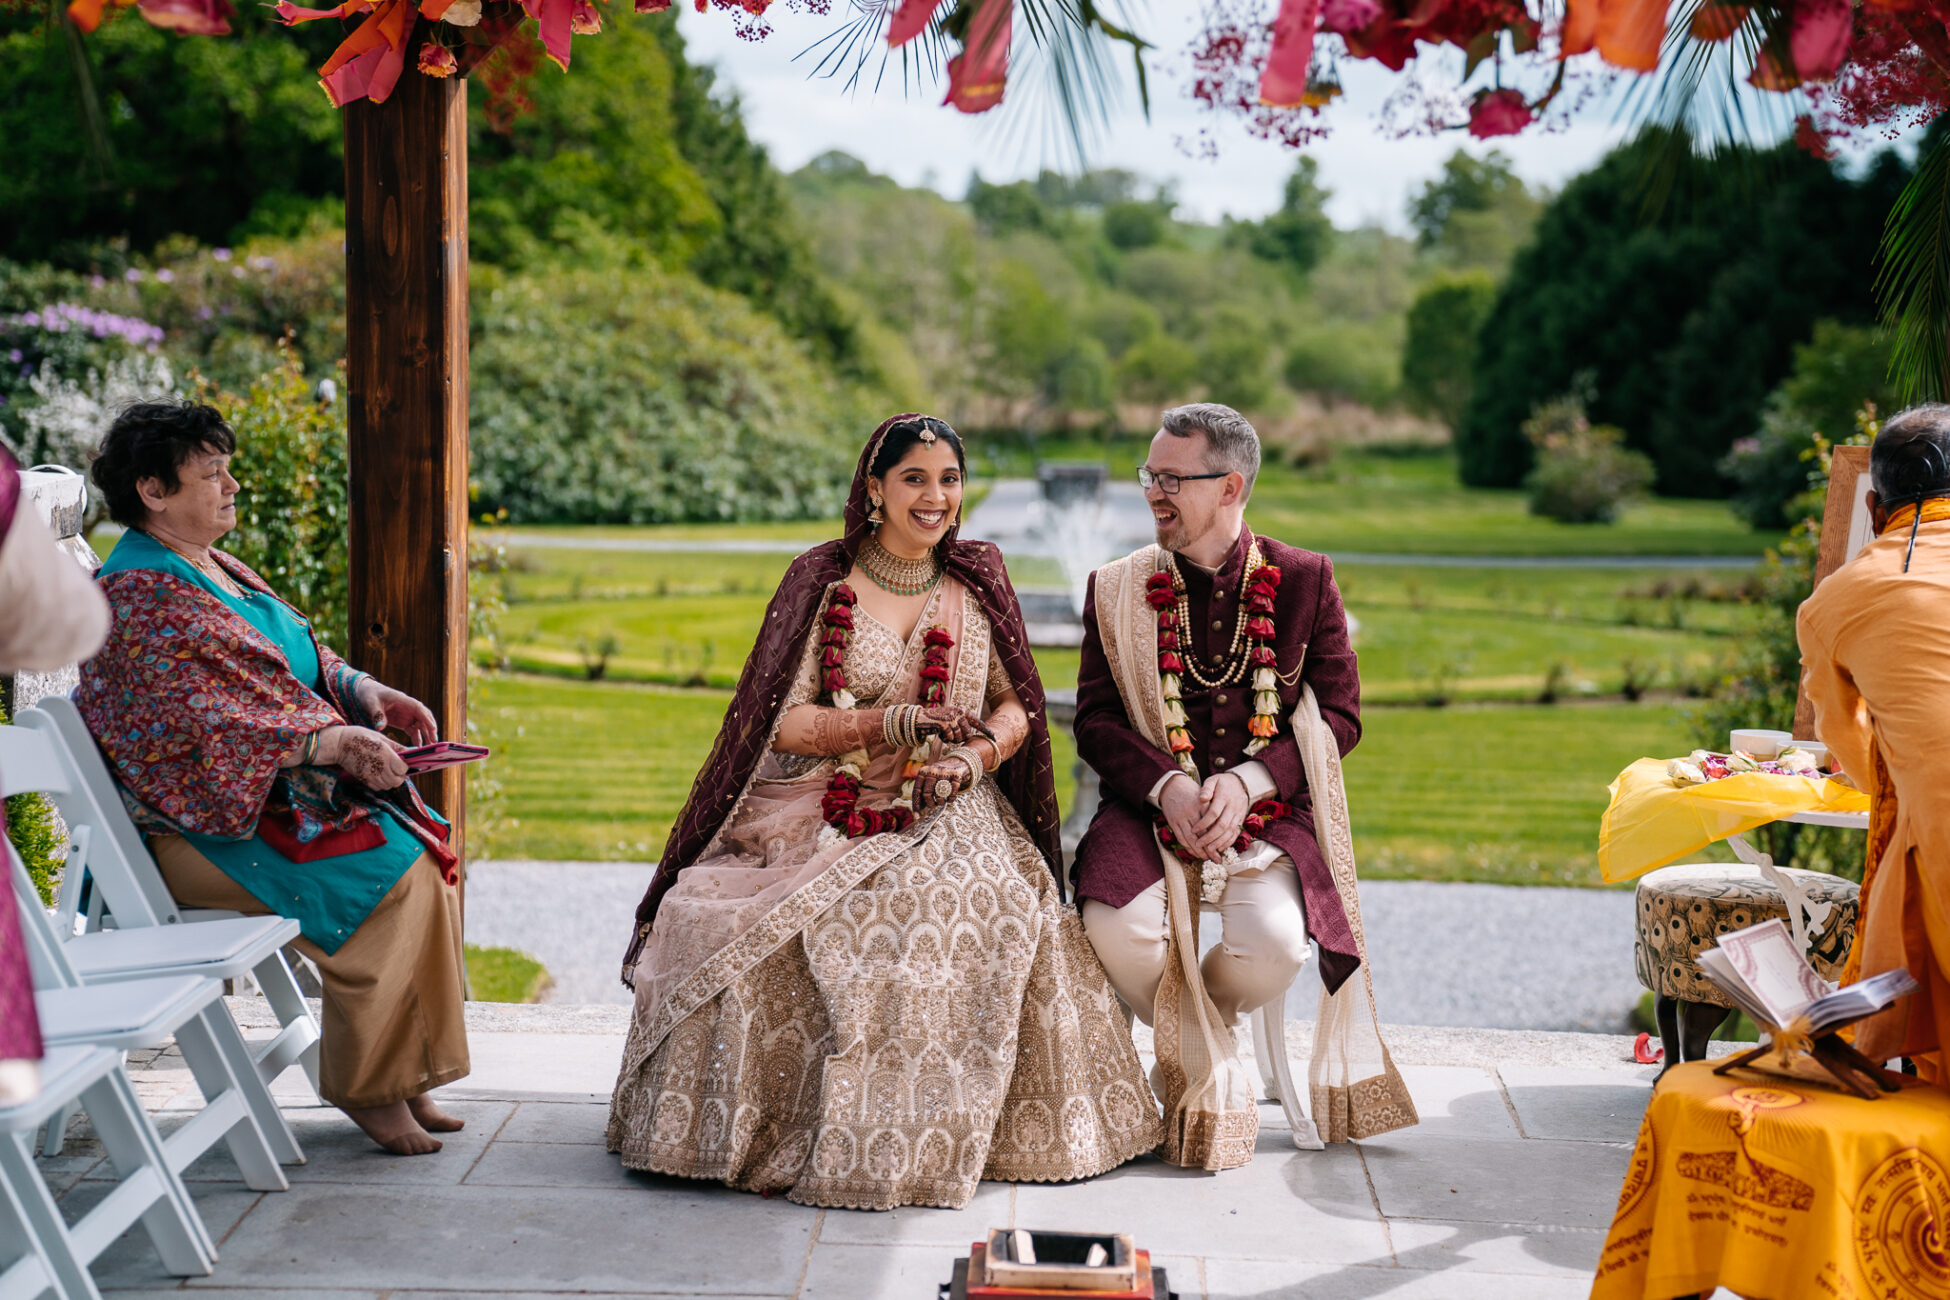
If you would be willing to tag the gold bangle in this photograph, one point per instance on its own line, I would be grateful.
(972, 760)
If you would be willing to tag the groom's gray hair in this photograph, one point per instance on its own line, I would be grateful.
(1231, 442)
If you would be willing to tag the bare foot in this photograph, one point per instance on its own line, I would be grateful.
(394, 1128)
(431, 1117)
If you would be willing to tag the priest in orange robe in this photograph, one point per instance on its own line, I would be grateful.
(1875, 654)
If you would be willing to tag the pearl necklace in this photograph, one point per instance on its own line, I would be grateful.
(894, 575)
(207, 567)
(1231, 670)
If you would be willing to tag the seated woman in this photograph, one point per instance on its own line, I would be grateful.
(855, 981)
(256, 760)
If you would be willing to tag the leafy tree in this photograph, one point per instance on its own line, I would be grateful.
(1003, 209)
(1131, 224)
(1477, 213)
(1232, 360)
(636, 395)
(1684, 314)
(1298, 234)
(1098, 188)
(1840, 371)
(171, 135)
(1120, 322)
(1158, 369)
(1440, 353)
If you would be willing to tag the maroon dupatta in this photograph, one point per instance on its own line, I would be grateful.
(1027, 779)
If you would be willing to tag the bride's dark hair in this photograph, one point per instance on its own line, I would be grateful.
(905, 436)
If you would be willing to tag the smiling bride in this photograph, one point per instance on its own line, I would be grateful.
(856, 981)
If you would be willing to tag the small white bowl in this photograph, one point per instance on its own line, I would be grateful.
(1817, 750)
(1757, 742)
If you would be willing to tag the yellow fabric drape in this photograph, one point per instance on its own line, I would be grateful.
(1653, 820)
(1777, 1188)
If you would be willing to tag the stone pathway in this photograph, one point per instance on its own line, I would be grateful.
(1500, 956)
(1504, 1190)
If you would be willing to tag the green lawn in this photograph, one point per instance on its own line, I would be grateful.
(1467, 634)
(1510, 794)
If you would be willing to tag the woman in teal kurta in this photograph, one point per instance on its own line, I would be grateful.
(256, 761)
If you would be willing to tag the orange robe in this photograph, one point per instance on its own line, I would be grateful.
(1875, 656)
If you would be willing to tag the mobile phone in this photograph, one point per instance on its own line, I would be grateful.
(441, 753)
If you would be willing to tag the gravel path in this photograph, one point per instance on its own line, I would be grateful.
(1485, 956)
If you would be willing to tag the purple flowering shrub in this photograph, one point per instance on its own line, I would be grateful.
(67, 339)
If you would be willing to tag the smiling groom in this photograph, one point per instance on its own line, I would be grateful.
(1217, 694)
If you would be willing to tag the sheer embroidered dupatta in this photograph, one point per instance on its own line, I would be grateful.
(1211, 1119)
(764, 877)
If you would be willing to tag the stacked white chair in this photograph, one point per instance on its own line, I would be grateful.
(42, 1252)
(106, 849)
(139, 988)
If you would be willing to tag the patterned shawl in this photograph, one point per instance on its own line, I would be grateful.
(1027, 780)
(193, 709)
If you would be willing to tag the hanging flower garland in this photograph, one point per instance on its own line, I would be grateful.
(840, 808)
(1165, 593)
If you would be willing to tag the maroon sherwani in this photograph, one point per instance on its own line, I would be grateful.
(1118, 858)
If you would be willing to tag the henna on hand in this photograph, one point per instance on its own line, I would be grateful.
(364, 755)
(1010, 725)
(951, 724)
(950, 769)
(827, 732)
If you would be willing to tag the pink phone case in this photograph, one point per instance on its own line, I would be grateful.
(441, 753)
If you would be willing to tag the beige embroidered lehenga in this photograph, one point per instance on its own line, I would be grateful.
(880, 1021)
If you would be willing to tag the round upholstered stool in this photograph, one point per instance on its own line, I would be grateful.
(1686, 908)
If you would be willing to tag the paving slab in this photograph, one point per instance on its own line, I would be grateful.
(1286, 1204)
(131, 1260)
(337, 1152)
(1436, 1245)
(551, 1121)
(1478, 1181)
(992, 1207)
(1458, 1101)
(1262, 1280)
(657, 1238)
(1567, 1103)
(549, 1164)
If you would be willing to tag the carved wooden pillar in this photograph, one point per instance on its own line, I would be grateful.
(406, 343)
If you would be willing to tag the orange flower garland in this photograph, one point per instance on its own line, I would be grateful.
(1165, 593)
(840, 809)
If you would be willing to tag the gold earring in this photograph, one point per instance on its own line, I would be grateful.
(875, 517)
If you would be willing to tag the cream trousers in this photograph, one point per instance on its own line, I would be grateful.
(1262, 942)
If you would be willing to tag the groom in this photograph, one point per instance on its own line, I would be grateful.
(1194, 657)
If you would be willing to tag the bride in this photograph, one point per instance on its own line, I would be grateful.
(855, 980)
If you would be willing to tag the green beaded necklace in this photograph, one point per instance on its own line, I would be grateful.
(892, 574)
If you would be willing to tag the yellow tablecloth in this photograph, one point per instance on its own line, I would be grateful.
(1653, 820)
(1782, 1190)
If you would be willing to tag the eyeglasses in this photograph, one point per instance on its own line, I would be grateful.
(1168, 483)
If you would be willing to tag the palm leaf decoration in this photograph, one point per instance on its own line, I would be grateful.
(1914, 283)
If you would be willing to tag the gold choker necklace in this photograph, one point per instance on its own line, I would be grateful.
(894, 575)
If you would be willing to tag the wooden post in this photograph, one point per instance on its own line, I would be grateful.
(406, 345)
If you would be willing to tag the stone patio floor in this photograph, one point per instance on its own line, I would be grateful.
(1505, 1189)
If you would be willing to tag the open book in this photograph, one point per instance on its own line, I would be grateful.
(1768, 978)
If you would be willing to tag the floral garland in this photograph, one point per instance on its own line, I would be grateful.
(1163, 591)
(840, 808)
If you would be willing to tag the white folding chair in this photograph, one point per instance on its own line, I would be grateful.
(115, 1003)
(1276, 1070)
(48, 1255)
(107, 850)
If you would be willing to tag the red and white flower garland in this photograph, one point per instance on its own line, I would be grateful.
(1163, 592)
(840, 808)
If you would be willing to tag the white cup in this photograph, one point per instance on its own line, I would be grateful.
(1757, 742)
